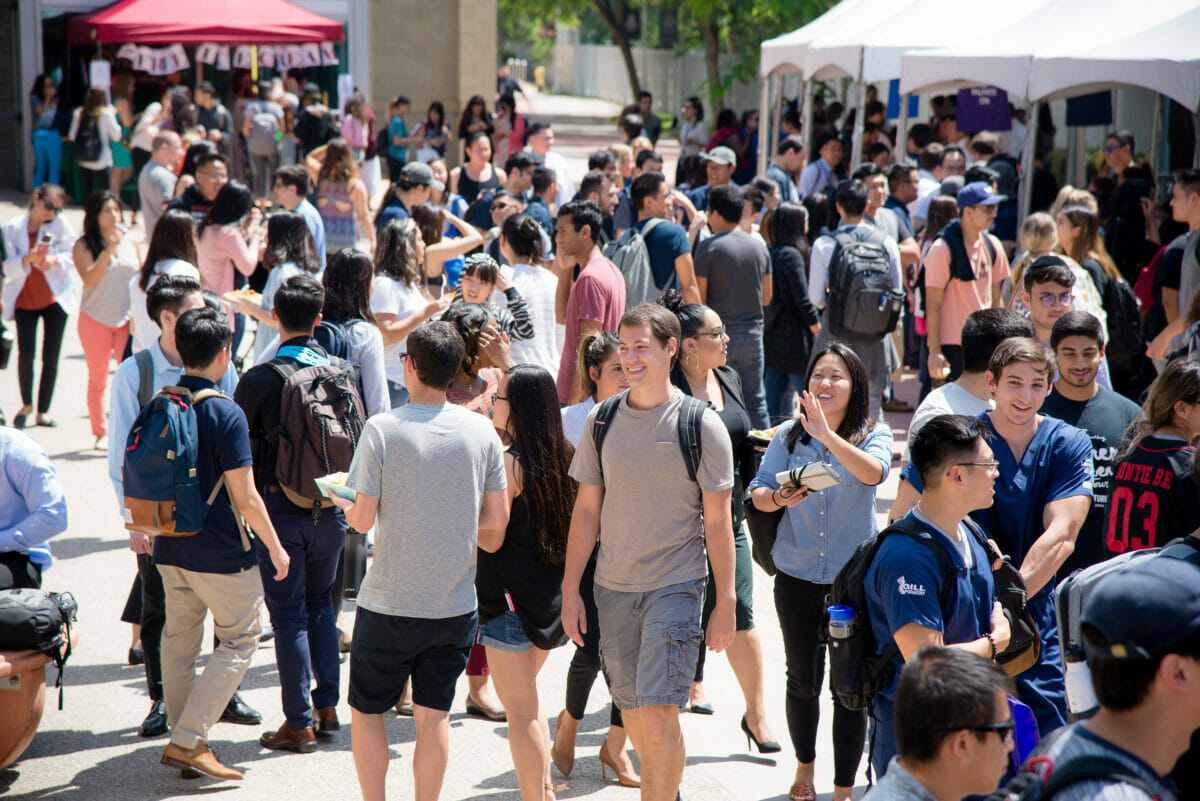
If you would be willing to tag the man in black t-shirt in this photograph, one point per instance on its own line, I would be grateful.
(1104, 415)
(212, 173)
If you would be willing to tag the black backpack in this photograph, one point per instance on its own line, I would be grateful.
(862, 299)
(1041, 779)
(88, 146)
(857, 672)
(690, 415)
(1126, 348)
(36, 620)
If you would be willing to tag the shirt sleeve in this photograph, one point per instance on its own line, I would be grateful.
(374, 372)
(937, 265)
(677, 240)
(28, 471)
(808, 180)
(522, 326)
(366, 469)
(910, 474)
(775, 460)
(1071, 469)
(122, 411)
(234, 450)
(1000, 267)
(238, 251)
(593, 298)
(495, 480)
(818, 273)
(716, 454)
(701, 260)
(878, 445)
(585, 466)
(905, 579)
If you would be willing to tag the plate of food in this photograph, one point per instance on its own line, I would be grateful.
(248, 295)
(335, 484)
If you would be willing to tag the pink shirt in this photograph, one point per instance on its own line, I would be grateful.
(963, 297)
(598, 294)
(220, 250)
(354, 132)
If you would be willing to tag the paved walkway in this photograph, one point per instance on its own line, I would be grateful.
(90, 750)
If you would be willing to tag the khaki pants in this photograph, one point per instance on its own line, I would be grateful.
(234, 600)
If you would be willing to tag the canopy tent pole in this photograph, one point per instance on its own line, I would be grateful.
(764, 99)
(900, 146)
(776, 117)
(856, 140)
(806, 127)
(1155, 132)
(1196, 145)
(1026, 187)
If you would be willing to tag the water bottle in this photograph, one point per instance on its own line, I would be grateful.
(841, 621)
(1081, 694)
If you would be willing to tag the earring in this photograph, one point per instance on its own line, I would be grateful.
(696, 358)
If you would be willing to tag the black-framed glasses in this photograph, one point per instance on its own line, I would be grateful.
(1048, 300)
(1004, 729)
(496, 396)
(716, 333)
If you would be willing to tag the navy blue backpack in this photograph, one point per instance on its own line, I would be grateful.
(162, 490)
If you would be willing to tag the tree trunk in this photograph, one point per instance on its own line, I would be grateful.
(615, 20)
(712, 64)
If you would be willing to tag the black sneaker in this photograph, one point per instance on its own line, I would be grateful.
(155, 724)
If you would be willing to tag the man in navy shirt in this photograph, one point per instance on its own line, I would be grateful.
(907, 602)
(719, 163)
(666, 242)
(1042, 499)
(215, 570)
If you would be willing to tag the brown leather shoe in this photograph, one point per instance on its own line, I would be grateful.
(301, 741)
(201, 758)
(327, 721)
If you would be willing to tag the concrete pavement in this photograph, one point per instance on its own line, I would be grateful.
(90, 750)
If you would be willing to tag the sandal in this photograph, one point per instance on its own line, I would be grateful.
(802, 792)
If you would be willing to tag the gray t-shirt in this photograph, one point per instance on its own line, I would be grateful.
(1078, 741)
(898, 784)
(156, 184)
(734, 264)
(651, 534)
(429, 466)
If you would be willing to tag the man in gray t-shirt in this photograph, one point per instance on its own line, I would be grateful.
(650, 573)
(156, 182)
(733, 271)
(430, 477)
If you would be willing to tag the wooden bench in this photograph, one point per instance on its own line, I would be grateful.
(22, 696)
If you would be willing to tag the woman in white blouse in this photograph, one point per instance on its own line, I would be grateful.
(95, 118)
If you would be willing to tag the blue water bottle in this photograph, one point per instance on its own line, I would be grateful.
(841, 621)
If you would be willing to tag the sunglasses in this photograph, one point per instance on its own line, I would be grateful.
(51, 207)
(1004, 729)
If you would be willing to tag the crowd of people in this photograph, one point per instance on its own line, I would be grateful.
(581, 386)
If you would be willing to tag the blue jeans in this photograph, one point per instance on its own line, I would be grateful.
(301, 607)
(779, 386)
(47, 152)
(745, 355)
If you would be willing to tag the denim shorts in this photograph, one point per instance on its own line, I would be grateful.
(650, 642)
(505, 633)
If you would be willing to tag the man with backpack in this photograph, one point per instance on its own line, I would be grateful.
(216, 569)
(136, 381)
(263, 129)
(289, 402)
(665, 254)
(963, 272)
(1141, 631)
(650, 568)
(954, 729)
(733, 274)
(917, 596)
(855, 278)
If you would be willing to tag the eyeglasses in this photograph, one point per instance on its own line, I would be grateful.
(992, 466)
(1004, 729)
(496, 396)
(716, 333)
(1048, 300)
(1111, 148)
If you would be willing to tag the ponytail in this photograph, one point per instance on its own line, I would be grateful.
(524, 235)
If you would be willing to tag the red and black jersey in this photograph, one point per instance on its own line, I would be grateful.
(1153, 499)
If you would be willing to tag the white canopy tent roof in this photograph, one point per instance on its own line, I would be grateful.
(1164, 58)
(1003, 57)
(786, 53)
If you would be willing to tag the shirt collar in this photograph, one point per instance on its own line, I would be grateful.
(195, 382)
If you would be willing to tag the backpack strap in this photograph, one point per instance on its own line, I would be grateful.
(605, 411)
(1086, 768)
(690, 415)
(1184, 548)
(198, 397)
(946, 567)
(145, 366)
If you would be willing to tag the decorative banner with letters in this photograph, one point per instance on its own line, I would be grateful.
(155, 60)
(277, 57)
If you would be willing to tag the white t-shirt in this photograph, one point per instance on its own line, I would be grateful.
(538, 286)
(145, 330)
(398, 298)
(573, 418)
(946, 399)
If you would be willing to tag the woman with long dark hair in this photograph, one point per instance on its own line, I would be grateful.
(290, 250)
(508, 136)
(791, 321)
(228, 239)
(399, 300)
(47, 141)
(172, 251)
(520, 585)
(341, 195)
(475, 118)
(703, 372)
(433, 132)
(40, 286)
(817, 534)
(105, 258)
(599, 369)
(477, 175)
(521, 246)
(441, 250)
(98, 123)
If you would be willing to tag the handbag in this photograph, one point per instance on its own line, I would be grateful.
(1024, 645)
(6, 346)
(764, 528)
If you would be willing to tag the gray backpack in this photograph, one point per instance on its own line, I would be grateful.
(632, 258)
(263, 139)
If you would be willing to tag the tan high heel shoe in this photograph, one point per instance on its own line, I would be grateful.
(606, 761)
(564, 761)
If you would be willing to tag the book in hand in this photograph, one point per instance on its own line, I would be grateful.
(814, 476)
(335, 484)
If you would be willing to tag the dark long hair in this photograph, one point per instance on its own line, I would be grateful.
(91, 220)
(174, 237)
(431, 220)
(524, 235)
(231, 204)
(436, 107)
(347, 280)
(535, 430)
(468, 319)
(466, 117)
(288, 239)
(857, 423)
(396, 252)
(195, 150)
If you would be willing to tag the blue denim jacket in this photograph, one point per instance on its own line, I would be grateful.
(817, 536)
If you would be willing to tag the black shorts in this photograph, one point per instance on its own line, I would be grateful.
(387, 649)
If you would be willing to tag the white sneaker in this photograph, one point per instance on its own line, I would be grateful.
(101, 443)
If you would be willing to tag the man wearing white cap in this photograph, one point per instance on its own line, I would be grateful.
(720, 163)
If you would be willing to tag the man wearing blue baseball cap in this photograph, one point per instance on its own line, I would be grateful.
(1141, 629)
(964, 269)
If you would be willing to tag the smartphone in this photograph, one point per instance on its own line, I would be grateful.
(43, 245)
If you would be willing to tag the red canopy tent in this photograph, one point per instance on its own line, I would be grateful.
(161, 22)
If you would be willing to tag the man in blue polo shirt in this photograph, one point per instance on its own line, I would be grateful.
(1042, 499)
(907, 602)
(217, 569)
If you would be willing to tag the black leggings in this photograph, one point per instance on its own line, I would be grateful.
(92, 181)
(586, 662)
(799, 605)
(55, 317)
